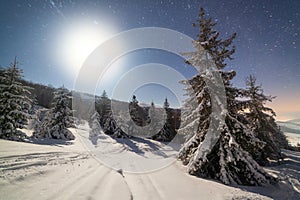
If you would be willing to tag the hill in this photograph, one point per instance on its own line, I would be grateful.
(291, 126)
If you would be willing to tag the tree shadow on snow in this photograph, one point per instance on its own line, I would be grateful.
(131, 145)
(50, 142)
(288, 173)
(94, 139)
(141, 145)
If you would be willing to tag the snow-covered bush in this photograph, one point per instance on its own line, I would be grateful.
(15, 103)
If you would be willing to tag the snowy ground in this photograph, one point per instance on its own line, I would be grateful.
(293, 138)
(120, 169)
(291, 129)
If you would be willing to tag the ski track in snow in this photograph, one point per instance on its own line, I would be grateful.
(141, 185)
(57, 171)
(58, 175)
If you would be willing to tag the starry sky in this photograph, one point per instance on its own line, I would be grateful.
(51, 37)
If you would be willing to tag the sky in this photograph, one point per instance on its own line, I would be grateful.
(53, 38)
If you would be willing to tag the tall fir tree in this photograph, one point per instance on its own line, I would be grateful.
(167, 133)
(37, 124)
(15, 103)
(107, 121)
(157, 120)
(103, 107)
(136, 113)
(206, 153)
(261, 120)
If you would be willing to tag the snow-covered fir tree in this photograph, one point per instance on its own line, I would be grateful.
(107, 121)
(103, 107)
(95, 125)
(15, 103)
(59, 118)
(166, 104)
(135, 111)
(157, 118)
(217, 145)
(261, 120)
(41, 124)
(36, 122)
(112, 128)
(95, 128)
(166, 134)
(125, 127)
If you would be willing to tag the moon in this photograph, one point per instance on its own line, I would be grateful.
(79, 42)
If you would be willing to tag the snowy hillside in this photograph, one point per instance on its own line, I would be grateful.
(295, 121)
(291, 129)
(292, 126)
(54, 169)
